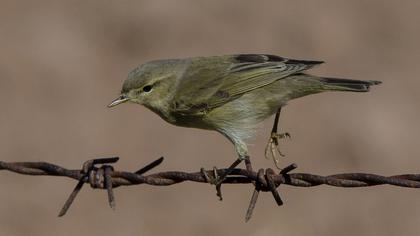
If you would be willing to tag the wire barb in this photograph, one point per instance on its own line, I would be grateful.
(93, 175)
(105, 177)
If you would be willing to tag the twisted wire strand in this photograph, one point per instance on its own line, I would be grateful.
(105, 177)
(238, 176)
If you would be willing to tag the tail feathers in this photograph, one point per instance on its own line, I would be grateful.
(348, 84)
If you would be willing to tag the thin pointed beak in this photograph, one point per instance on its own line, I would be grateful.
(118, 101)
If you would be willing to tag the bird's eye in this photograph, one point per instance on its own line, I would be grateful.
(147, 88)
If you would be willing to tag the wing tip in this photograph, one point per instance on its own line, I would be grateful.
(268, 57)
(305, 62)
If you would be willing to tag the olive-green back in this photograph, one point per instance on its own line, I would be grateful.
(209, 82)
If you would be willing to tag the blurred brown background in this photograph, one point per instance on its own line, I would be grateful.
(62, 62)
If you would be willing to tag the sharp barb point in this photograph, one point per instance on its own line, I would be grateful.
(252, 204)
(288, 168)
(71, 198)
(108, 185)
(150, 166)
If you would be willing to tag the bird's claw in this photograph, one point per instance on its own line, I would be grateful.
(281, 135)
(214, 180)
(272, 150)
(210, 179)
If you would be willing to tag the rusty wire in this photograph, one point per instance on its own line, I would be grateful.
(105, 177)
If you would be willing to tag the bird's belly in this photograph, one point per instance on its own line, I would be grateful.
(239, 118)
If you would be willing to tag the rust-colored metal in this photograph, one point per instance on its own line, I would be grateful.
(105, 177)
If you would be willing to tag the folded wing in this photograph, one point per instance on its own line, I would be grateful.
(210, 82)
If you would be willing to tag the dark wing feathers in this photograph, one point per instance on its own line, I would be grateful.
(258, 58)
(231, 77)
(252, 71)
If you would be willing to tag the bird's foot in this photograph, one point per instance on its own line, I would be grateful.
(272, 150)
(214, 180)
(210, 179)
(217, 179)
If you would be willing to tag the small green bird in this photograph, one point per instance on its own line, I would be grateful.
(230, 94)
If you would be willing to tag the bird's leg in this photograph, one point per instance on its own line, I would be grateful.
(272, 150)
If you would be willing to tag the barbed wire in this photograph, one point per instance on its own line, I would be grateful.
(105, 177)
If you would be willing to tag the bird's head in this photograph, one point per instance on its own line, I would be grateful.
(149, 84)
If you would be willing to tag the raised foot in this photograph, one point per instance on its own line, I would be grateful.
(272, 150)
